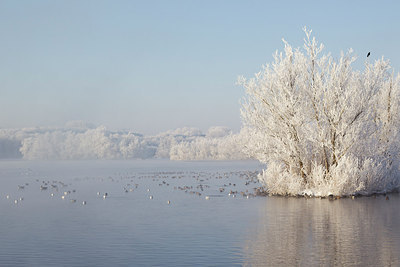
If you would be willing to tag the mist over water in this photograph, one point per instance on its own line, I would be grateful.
(129, 228)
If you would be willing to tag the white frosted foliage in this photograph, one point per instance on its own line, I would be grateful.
(79, 140)
(321, 127)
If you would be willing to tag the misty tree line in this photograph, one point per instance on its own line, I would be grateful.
(77, 143)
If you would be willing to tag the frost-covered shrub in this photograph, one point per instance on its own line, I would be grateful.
(218, 131)
(321, 127)
(229, 147)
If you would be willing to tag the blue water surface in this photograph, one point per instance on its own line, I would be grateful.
(165, 213)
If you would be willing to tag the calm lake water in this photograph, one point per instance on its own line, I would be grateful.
(164, 213)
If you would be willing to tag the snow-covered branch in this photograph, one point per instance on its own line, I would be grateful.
(318, 123)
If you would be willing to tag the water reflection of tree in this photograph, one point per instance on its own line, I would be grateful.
(302, 232)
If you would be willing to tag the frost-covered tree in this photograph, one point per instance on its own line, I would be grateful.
(77, 143)
(322, 127)
(223, 147)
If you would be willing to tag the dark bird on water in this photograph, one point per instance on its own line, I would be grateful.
(369, 53)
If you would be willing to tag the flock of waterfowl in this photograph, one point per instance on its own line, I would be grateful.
(206, 185)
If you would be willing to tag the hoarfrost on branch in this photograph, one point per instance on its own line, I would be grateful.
(321, 127)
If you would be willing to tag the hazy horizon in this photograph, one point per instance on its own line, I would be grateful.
(153, 66)
(76, 124)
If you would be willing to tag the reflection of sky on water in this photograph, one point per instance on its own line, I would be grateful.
(126, 228)
(130, 229)
(301, 232)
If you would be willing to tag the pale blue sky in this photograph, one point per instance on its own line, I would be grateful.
(151, 66)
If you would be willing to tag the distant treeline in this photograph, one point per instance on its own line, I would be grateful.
(88, 142)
